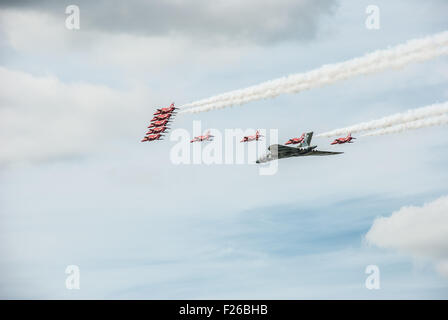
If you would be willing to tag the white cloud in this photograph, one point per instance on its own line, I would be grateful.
(256, 21)
(42, 117)
(41, 33)
(419, 231)
(132, 187)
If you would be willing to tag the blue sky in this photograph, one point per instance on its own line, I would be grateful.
(78, 188)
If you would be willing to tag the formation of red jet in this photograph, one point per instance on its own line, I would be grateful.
(159, 124)
(209, 137)
(257, 136)
(343, 140)
(163, 116)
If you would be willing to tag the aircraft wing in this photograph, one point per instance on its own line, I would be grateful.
(321, 153)
(279, 151)
(282, 151)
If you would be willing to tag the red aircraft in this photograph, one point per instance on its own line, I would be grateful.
(170, 109)
(252, 138)
(162, 117)
(206, 137)
(157, 130)
(160, 123)
(346, 139)
(152, 137)
(296, 140)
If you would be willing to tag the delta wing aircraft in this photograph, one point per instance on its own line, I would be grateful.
(277, 151)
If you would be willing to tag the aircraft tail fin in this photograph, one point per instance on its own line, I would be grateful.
(307, 140)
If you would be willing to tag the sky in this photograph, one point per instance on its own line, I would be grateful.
(78, 188)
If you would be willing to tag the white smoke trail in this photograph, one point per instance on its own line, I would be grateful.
(399, 118)
(416, 50)
(429, 122)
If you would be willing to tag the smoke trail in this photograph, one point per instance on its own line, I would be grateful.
(436, 121)
(399, 118)
(416, 50)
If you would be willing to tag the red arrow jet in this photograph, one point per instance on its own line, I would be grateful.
(160, 123)
(296, 140)
(252, 138)
(343, 140)
(152, 137)
(206, 137)
(157, 130)
(162, 117)
(170, 109)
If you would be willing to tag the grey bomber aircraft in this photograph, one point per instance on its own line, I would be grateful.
(305, 148)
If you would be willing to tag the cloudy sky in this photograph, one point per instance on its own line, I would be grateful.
(78, 188)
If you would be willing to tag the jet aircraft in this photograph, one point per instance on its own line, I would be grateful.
(160, 123)
(157, 130)
(277, 151)
(152, 137)
(343, 140)
(159, 117)
(206, 137)
(170, 109)
(296, 140)
(255, 137)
